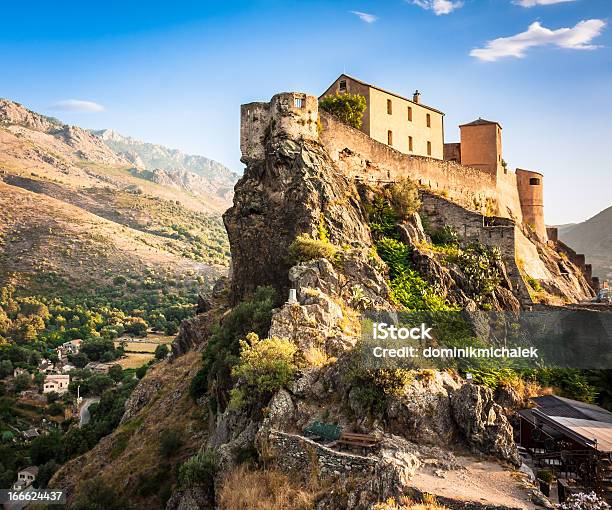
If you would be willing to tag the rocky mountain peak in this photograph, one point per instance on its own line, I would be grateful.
(12, 113)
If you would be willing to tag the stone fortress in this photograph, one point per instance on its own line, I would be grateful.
(402, 138)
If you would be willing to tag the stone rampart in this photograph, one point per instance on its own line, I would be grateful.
(359, 156)
(471, 226)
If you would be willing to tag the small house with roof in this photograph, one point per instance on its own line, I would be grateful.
(25, 478)
(571, 438)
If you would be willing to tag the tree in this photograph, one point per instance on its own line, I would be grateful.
(6, 368)
(115, 373)
(52, 397)
(22, 382)
(161, 351)
(141, 371)
(136, 326)
(79, 360)
(349, 108)
(45, 448)
(171, 328)
(94, 348)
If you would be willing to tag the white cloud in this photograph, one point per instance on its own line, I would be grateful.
(439, 6)
(364, 16)
(577, 38)
(533, 3)
(77, 105)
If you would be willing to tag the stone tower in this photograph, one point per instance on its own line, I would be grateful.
(481, 146)
(288, 114)
(531, 194)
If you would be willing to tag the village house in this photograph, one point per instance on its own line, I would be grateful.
(45, 365)
(25, 478)
(30, 434)
(405, 124)
(57, 383)
(98, 367)
(73, 346)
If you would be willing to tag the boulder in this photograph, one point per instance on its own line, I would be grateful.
(483, 423)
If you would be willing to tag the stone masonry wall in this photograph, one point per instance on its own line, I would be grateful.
(474, 227)
(298, 453)
(361, 157)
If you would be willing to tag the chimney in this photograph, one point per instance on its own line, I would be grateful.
(416, 97)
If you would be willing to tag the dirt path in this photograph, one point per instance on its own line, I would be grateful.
(483, 481)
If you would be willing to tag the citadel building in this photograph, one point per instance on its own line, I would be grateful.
(468, 183)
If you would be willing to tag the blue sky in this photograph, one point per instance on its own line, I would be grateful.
(176, 72)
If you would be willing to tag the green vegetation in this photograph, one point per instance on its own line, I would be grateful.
(405, 198)
(408, 288)
(222, 351)
(349, 108)
(480, 264)
(199, 470)
(373, 387)
(169, 442)
(304, 248)
(264, 367)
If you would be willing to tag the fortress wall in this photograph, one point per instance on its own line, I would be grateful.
(508, 199)
(360, 156)
(475, 227)
(254, 120)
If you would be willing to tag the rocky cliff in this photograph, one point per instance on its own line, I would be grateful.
(298, 222)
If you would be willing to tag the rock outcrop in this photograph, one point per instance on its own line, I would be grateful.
(294, 190)
(483, 423)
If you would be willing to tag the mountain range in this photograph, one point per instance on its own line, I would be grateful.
(592, 237)
(78, 207)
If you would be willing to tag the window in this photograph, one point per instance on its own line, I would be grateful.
(389, 107)
(298, 102)
(429, 148)
(410, 143)
(410, 114)
(390, 137)
(342, 86)
(534, 181)
(428, 120)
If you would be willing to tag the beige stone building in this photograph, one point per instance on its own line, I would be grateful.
(57, 383)
(406, 125)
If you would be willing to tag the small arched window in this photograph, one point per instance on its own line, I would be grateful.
(534, 181)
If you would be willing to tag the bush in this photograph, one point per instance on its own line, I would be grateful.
(304, 248)
(199, 470)
(96, 495)
(265, 366)
(584, 501)
(480, 265)
(373, 387)
(169, 442)
(349, 108)
(408, 288)
(405, 198)
(223, 349)
(161, 351)
(447, 235)
(546, 475)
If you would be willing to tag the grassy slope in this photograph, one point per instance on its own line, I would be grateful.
(129, 459)
(68, 225)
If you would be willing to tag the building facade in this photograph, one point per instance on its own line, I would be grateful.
(406, 125)
(57, 383)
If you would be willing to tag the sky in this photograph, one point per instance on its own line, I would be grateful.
(175, 73)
